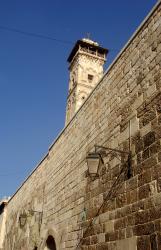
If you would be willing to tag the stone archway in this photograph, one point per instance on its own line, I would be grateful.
(51, 240)
(50, 243)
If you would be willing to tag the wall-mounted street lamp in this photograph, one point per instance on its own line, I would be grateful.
(23, 217)
(95, 159)
(93, 162)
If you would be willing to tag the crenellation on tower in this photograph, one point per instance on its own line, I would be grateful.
(86, 62)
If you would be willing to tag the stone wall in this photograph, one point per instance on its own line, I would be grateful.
(123, 112)
(1, 229)
(3, 216)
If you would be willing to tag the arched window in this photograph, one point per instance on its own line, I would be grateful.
(50, 243)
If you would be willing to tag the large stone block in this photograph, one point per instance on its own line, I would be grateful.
(127, 244)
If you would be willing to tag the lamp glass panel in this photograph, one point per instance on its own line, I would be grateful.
(93, 164)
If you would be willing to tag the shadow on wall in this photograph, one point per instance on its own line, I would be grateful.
(50, 243)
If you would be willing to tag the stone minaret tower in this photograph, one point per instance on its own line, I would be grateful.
(86, 62)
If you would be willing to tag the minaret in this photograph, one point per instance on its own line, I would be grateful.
(86, 62)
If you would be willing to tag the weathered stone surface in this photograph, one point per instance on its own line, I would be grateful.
(153, 241)
(102, 246)
(144, 192)
(143, 243)
(112, 236)
(109, 226)
(141, 217)
(127, 244)
(144, 177)
(144, 229)
(149, 139)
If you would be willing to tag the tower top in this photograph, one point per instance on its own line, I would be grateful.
(89, 46)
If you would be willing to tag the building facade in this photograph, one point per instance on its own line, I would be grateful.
(3, 216)
(61, 205)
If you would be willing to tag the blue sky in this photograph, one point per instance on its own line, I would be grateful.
(34, 72)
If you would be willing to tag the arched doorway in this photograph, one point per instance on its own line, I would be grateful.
(50, 243)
